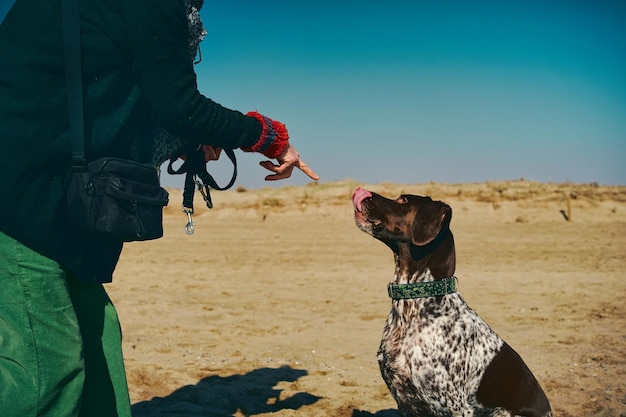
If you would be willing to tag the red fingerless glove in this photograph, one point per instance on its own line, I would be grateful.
(274, 137)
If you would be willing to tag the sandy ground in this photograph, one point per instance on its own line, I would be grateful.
(275, 306)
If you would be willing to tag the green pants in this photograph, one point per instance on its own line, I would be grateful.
(60, 341)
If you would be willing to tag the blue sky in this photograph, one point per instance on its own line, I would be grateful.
(419, 91)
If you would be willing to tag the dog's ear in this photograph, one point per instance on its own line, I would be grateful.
(429, 221)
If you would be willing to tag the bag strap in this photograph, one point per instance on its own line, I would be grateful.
(70, 17)
(196, 174)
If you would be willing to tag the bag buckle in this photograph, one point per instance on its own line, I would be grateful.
(189, 227)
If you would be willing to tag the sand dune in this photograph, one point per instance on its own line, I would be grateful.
(275, 306)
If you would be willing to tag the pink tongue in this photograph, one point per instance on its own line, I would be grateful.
(358, 196)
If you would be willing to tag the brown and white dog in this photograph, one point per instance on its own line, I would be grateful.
(437, 356)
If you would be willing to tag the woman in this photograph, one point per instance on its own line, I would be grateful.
(60, 343)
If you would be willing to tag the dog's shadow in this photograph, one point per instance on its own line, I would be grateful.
(247, 395)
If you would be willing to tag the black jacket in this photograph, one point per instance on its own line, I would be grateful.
(136, 66)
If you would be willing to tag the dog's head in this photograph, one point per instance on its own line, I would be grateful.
(409, 218)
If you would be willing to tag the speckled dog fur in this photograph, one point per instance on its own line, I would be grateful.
(433, 354)
(437, 356)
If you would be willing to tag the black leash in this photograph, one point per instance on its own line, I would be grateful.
(196, 174)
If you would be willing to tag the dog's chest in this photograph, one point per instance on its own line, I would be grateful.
(434, 352)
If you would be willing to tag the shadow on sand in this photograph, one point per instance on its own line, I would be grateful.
(382, 413)
(215, 396)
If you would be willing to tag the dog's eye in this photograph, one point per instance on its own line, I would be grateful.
(402, 200)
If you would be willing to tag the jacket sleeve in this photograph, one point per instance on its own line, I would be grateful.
(157, 43)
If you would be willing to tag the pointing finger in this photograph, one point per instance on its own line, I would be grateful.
(307, 170)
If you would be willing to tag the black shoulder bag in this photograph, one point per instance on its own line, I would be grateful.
(113, 198)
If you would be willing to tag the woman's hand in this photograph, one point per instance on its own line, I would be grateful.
(286, 163)
(211, 153)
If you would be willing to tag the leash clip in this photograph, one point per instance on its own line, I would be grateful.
(189, 227)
